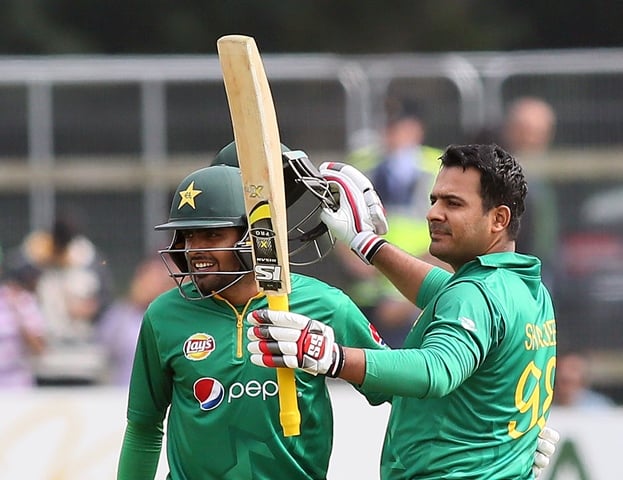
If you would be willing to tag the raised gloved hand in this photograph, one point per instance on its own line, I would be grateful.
(545, 448)
(286, 339)
(360, 217)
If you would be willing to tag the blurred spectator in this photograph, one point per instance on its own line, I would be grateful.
(402, 170)
(528, 132)
(573, 386)
(529, 126)
(119, 326)
(73, 290)
(22, 325)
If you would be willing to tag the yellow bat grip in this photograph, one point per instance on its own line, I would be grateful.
(289, 415)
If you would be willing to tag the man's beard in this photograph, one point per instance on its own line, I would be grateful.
(208, 283)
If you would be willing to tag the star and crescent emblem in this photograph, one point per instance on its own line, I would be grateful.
(188, 196)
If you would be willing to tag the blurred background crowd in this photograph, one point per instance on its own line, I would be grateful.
(92, 146)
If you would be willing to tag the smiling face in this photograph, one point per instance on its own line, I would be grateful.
(211, 258)
(460, 228)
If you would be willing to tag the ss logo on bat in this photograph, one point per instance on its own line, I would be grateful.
(268, 273)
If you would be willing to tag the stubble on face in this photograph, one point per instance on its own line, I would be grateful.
(205, 265)
(457, 223)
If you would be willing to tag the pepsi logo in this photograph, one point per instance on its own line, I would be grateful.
(198, 346)
(209, 392)
(376, 335)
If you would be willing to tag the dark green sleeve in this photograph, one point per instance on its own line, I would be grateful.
(140, 451)
(151, 384)
(456, 341)
(436, 279)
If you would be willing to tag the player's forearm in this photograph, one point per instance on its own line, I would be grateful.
(396, 372)
(140, 452)
(403, 270)
(433, 371)
(354, 369)
(403, 372)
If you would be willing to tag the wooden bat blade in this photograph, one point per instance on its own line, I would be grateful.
(258, 146)
(256, 134)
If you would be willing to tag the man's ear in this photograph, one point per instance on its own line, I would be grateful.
(501, 218)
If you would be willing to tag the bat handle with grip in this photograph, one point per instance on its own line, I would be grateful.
(289, 415)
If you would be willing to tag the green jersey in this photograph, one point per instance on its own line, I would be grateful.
(223, 411)
(475, 378)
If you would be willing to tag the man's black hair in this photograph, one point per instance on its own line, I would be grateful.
(502, 181)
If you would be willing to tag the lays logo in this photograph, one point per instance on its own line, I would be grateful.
(198, 346)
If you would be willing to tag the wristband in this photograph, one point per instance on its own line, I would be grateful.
(338, 361)
(366, 245)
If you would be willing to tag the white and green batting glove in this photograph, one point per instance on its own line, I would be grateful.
(284, 339)
(360, 217)
(545, 448)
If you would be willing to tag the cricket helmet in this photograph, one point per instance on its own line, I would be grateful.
(210, 197)
(306, 192)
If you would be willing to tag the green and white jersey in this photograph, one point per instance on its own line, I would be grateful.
(223, 411)
(476, 376)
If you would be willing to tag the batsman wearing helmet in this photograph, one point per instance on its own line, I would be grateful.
(190, 361)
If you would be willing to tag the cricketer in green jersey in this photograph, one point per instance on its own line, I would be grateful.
(222, 411)
(472, 386)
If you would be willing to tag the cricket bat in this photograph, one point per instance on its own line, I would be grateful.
(258, 146)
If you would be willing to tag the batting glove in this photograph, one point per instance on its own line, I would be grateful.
(360, 217)
(285, 339)
(545, 448)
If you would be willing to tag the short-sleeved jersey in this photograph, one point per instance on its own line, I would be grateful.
(223, 419)
(486, 342)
